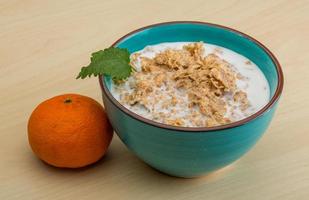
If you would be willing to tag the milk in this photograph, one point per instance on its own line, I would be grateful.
(253, 82)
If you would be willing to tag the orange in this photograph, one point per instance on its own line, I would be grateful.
(69, 131)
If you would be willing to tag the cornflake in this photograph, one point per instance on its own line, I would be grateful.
(188, 79)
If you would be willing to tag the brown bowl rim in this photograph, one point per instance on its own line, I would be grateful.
(269, 105)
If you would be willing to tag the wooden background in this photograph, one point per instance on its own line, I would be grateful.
(43, 44)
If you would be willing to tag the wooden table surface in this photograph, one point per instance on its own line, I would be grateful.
(43, 44)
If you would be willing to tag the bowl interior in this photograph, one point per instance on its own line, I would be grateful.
(208, 33)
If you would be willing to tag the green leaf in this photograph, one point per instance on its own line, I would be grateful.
(112, 61)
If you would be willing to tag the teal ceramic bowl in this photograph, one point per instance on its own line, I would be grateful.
(192, 152)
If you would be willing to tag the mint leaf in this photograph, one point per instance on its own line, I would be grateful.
(112, 61)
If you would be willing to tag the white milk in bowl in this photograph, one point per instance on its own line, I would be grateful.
(192, 85)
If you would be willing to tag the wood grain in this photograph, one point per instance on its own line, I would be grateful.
(43, 44)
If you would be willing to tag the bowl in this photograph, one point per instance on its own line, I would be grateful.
(184, 151)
